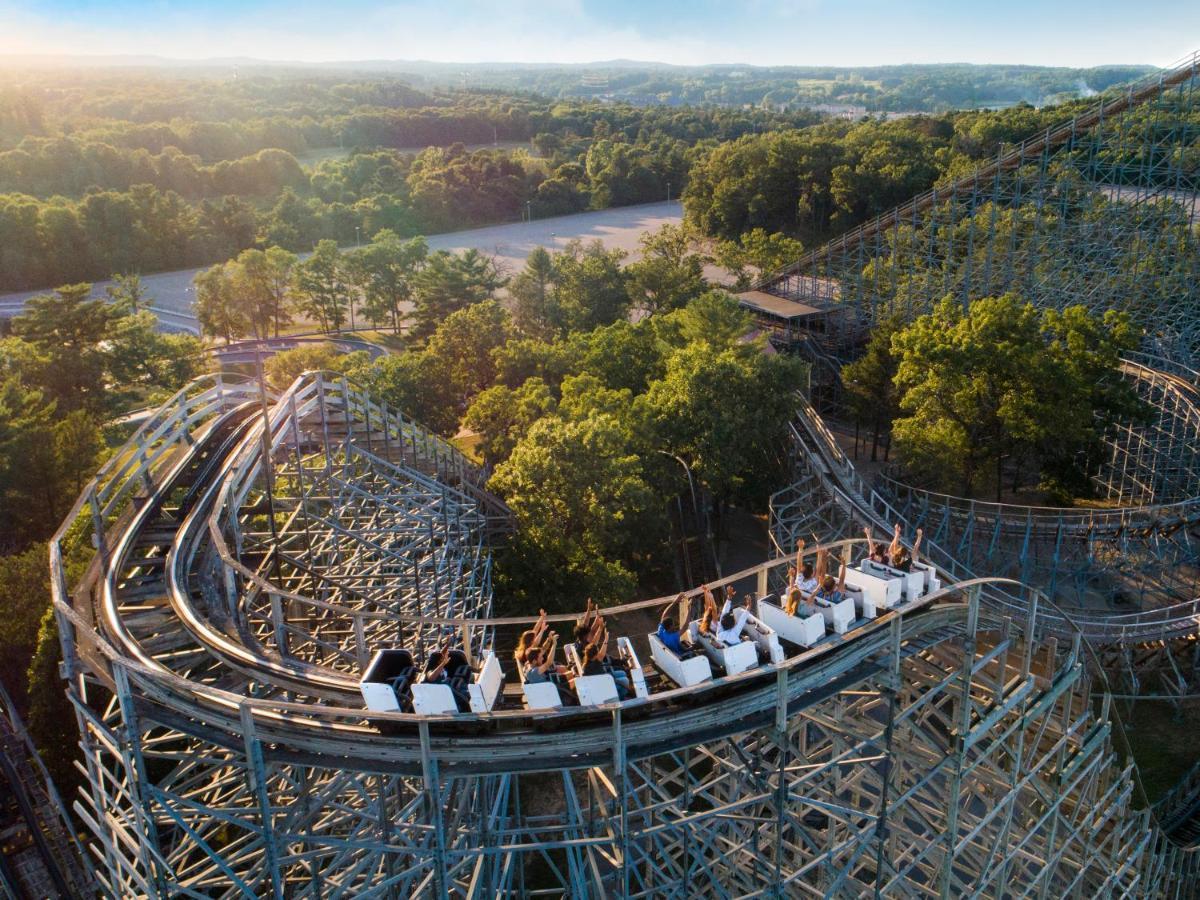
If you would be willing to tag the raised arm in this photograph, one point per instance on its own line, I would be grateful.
(917, 545)
(822, 565)
(601, 639)
(548, 663)
(540, 626)
(842, 577)
(441, 666)
(685, 609)
(800, 545)
(593, 635)
(870, 540)
(895, 545)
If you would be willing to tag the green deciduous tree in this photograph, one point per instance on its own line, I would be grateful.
(621, 355)
(757, 252)
(971, 386)
(260, 280)
(385, 270)
(464, 344)
(590, 288)
(869, 381)
(725, 412)
(523, 358)
(217, 307)
(669, 273)
(285, 367)
(322, 287)
(583, 505)
(502, 416)
(418, 384)
(1088, 392)
(1002, 384)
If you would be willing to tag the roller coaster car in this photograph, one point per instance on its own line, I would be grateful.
(542, 695)
(874, 591)
(637, 675)
(684, 671)
(592, 689)
(481, 688)
(932, 581)
(387, 682)
(733, 660)
(912, 584)
(766, 638)
(803, 631)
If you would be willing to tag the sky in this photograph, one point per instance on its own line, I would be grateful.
(690, 32)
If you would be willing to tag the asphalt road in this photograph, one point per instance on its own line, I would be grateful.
(171, 292)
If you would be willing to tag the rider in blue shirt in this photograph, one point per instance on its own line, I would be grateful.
(668, 632)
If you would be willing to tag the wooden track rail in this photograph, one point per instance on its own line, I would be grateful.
(226, 757)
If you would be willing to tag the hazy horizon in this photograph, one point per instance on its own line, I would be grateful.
(134, 60)
(1073, 33)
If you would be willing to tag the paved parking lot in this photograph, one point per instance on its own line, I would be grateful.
(171, 292)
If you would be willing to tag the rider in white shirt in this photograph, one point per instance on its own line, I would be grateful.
(805, 580)
(733, 621)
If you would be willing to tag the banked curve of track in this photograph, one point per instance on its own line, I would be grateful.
(844, 483)
(325, 716)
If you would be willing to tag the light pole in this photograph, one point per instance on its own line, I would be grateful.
(528, 210)
(668, 192)
(695, 503)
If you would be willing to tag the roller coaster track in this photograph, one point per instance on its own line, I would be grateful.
(836, 478)
(1030, 149)
(213, 647)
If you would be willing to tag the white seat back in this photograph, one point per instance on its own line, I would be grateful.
(740, 657)
(593, 690)
(571, 651)
(684, 672)
(911, 583)
(932, 582)
(863, 603)
(840, 616)
(883, 593)
(484, 690)
(379, 697)
(766, 638)
(433, 699)
(802, 630)
(636, 675)
(376, 682)
(543, 695)
(734, 660)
